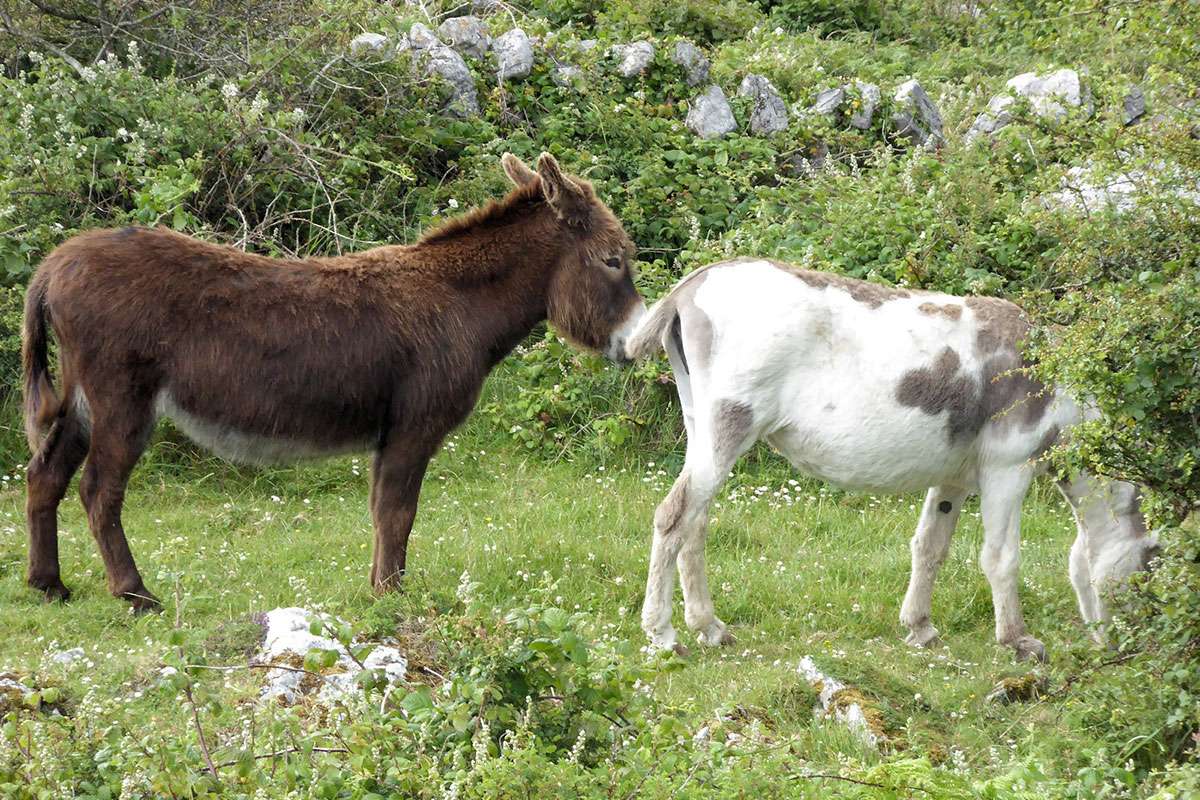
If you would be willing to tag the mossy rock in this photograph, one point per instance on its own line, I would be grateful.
(842, 702)
(1019, 689)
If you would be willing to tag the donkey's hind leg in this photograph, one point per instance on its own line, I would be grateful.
(719, 437)
(47, 478)
(1001, 493)
(120, 431)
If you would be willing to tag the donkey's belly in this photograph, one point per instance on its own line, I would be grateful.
(255, 447)
(895, 459)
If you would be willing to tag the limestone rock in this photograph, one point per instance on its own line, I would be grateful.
(288, 639)
(1088, 188)
(449, 65)
(711, 116)
(514, 55)
(828, 102)
(1134, 105)
(566, 75)
(635, 58)
(421, 38)
(868, 95)
(1048, 96)
(769, 114)
(831, 102)
(692, 59)
(67, 657)
(368, 45)
(915, 115)
(467, 35)
(1048, 93)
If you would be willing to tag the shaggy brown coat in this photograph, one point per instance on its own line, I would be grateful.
(264, 359)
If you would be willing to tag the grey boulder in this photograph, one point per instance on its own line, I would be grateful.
(769, 113)
(441, 61)
(635, 58)
(868, 95)
(450, 67)
(830, 103)
(693, 61)
(514, 55)
(711, 116)
(369, 44)
(467, 35)
(915, 116)
(421, 38)
(1134, 105)
(1049, 96)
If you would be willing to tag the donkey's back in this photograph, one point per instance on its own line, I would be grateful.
(258, 359)
(865, 386)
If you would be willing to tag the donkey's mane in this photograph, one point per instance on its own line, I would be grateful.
(492, 212)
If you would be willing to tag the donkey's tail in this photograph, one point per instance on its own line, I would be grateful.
(649, 336)
(42, 403)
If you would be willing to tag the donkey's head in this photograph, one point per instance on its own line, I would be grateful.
(591, 298)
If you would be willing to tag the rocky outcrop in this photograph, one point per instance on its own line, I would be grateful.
(692, 59)
(450, 67)
(768, 113)
(421, 38)
(440, 61)
(858, 98)
(914, 115)
(868, 101)
(711, 116)
(1133, 106)
(1049, 96)
(1089, 188)
(634, 58)
(367, 45)
(514, 55)
(467, 35)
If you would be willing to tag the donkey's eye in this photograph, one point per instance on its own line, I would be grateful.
(613, 263)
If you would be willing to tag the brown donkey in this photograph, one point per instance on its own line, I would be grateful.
(267, 360)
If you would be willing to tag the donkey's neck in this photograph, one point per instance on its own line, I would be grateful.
(502, 271)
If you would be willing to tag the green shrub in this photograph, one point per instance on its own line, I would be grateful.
(1141, 699)
(827, 16)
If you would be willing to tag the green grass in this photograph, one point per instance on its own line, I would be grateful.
(819, 574)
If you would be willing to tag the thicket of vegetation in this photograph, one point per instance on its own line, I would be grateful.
(257, 128)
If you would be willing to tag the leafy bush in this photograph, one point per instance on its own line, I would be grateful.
(827, 16)
(1142, 698)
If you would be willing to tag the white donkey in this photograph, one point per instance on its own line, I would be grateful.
(874, 388)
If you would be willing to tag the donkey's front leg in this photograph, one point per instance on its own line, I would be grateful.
(929, 545)
(396, 478)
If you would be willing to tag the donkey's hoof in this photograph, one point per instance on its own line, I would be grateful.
(142, 601)
(681, 650)
(922, 637)
(1029, 649)
(664, 640)
(53, 591)
(715, 635)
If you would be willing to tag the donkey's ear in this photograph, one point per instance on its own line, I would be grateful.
(516, 170)
(568, 199)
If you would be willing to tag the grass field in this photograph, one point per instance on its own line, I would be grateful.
(796, 569)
